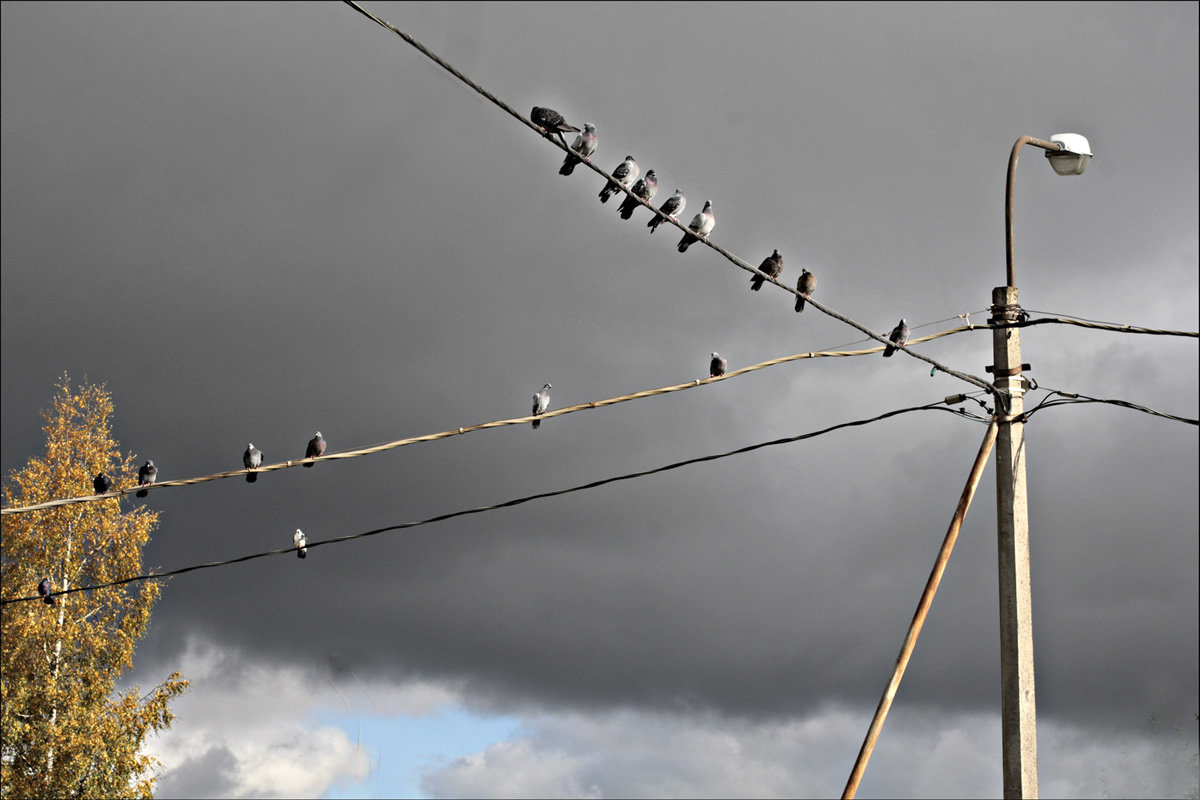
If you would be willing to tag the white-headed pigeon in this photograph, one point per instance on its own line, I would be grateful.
(673, 207)
(102, 483)
(700, 226)
(625, 173)
(716, 367)
(44, 589)
(898, 337)
(550, 121)
(315, 449)
(147, 475)
(252, 458)
(585, 145)
(541, 401)
(806, 284)
(301, 544)
(772, 265)
(645, 188)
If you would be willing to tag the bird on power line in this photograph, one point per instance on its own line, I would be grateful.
(301, 544)
(44, 589)
(253, 459)
(898, 337)
(672, 207)
(102, 483)
(624, 174)
(541, 401)
(645, 188)
(716, 367)
(700, 226)
(806, 284)
(585, 144)
(772, 265)
(315, 449)
(147, 475)
(550, 121)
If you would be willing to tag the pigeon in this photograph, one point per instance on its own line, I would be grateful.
(301, 544)
(316, 448)
(645, 188)
(772, 265)
(673, 207)
(252, 458)
(625, 173)
(44, 590)
(700, 226)
(898, 336)
(550, 121)
(541, 401)
(716, 367)
(146, 476)
(102, 483)
(585, 145)
(806, 284)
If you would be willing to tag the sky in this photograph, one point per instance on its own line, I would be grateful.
(255, 221)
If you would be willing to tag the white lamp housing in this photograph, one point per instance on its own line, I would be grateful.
(1074, 156)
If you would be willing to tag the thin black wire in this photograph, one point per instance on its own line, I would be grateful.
(939, 406)
(1057, 397)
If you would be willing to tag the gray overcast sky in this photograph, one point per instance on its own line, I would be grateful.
(253, 221)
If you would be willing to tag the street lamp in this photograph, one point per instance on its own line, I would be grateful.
(1069, 154)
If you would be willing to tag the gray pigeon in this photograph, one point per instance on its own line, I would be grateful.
(301, 544)
(315, 449)
(585, 145)
(541, 401)
(147, 475)
(716, 367)
(252, 458)
(625, 173)
(772, 265)
(645, 188)
(550, 121)
(700, 226)
(102, 483)
(44, 589)
(898, 336)
(673, 207)
(806, 284)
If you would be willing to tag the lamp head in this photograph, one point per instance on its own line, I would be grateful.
(1074, 156)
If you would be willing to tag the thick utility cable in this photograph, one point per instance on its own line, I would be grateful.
(982, 384)
(1103, 326)
(939, 406)
(89, 498)
(918, 620)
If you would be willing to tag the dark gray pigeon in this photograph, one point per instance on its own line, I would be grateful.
(716, 367)
(550, 121)
(898, 336)
(301, 544)
(645, 188)
(252, 458)
(806, 284)
(673, 207)
(541, 401)
(625, 173)
(700, 226)
(147, 475)
(101, 483)
(44, 590)
(315, 449)
(772, 265)
(585, 145)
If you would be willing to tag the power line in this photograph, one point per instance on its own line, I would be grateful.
(1082, 323)
(1057, 397)
(939, 406)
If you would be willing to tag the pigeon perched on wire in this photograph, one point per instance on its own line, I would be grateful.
(102, 483)
(806, 284)
(772, 265)
(700, 226)
(716, 367)
(541, 401)
(44, 589)
(645, 188)
(625, 173)
(315, 449)
(147, 475)
(672, 207)
(898, 337)
(252, 458)
(301, 544)
(550, 121)
(585, 145)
